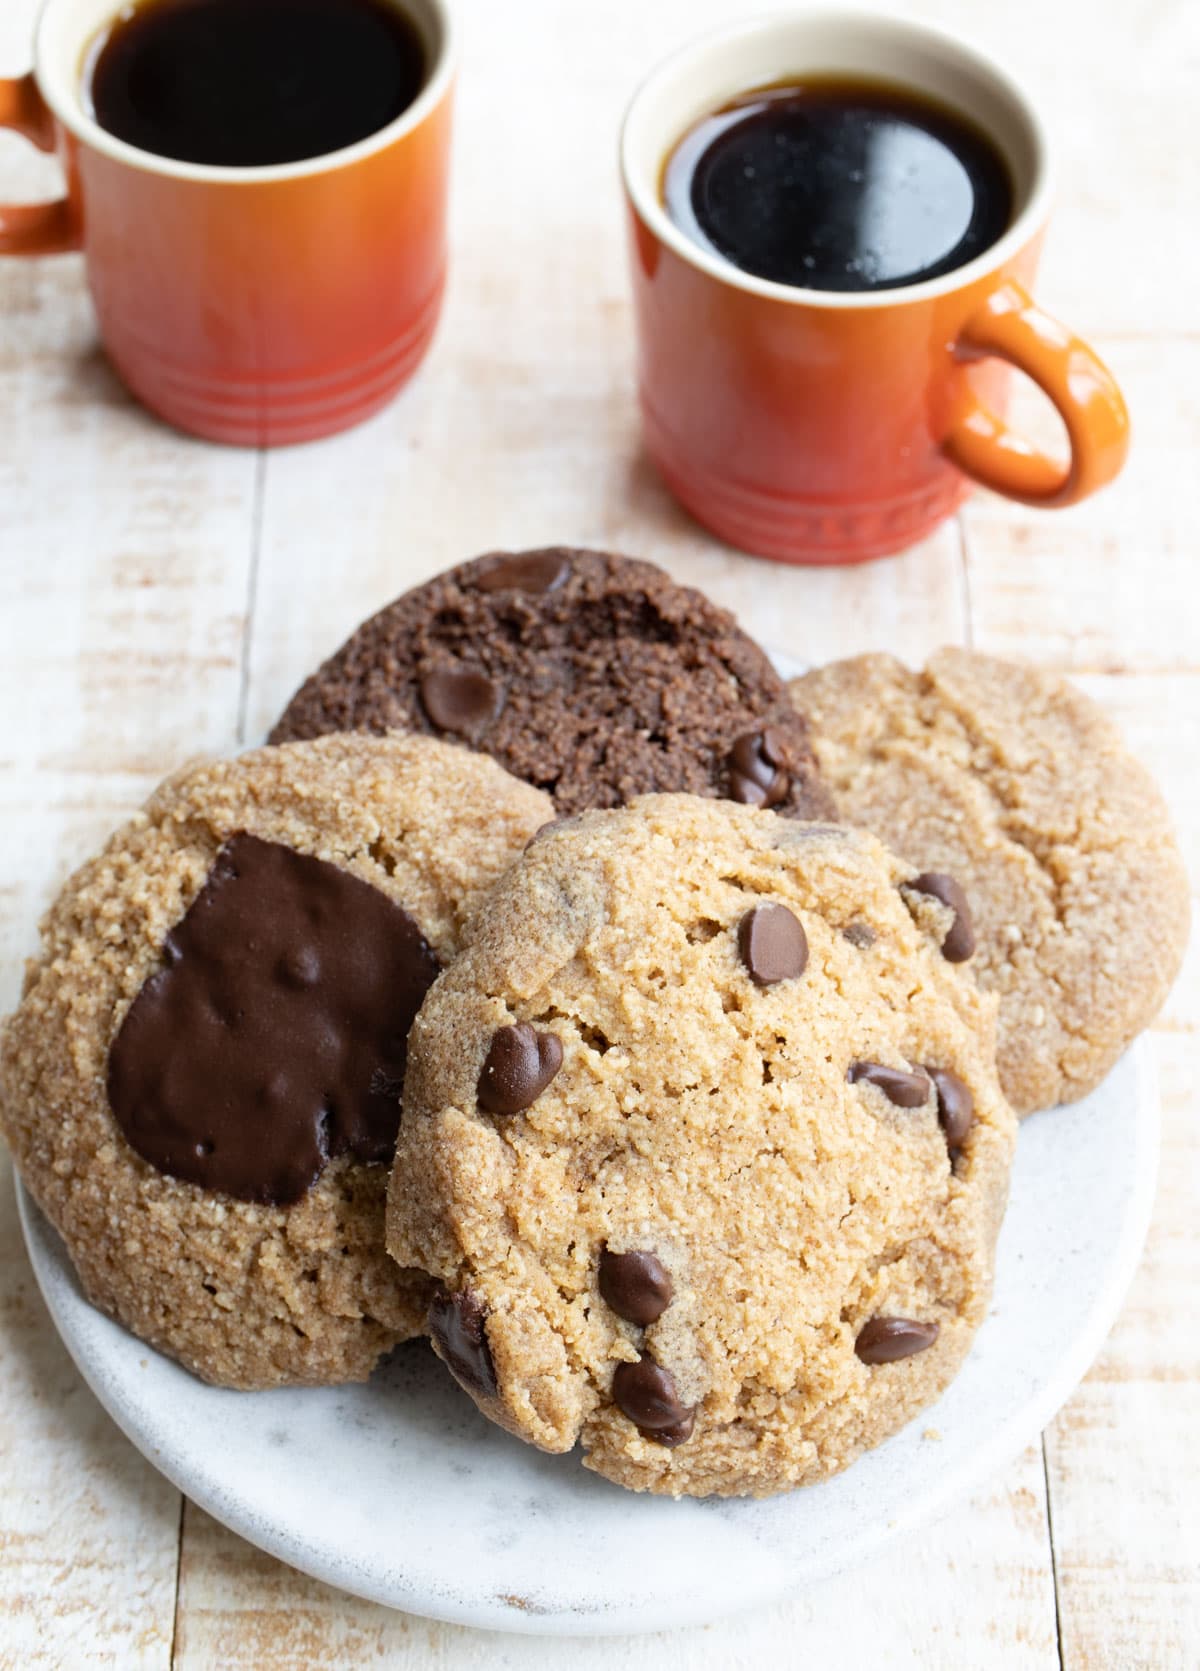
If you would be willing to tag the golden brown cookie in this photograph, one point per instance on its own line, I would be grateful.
(201, 1083)
(703, 1139)
(1016, 784)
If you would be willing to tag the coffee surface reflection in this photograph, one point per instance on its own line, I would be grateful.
(839, 185)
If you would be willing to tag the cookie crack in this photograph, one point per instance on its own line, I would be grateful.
(1006, 807)
(772, 1150)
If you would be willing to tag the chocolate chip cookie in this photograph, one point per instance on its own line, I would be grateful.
(1016, 784)
(704, 1142)
(201, 1086)
(592, 676)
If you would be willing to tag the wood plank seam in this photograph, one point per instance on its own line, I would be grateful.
(964, 569)
(178, 1587)
(257, 513)
(1053, 1554)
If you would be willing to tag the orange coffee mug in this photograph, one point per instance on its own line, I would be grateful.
(819, 426)
(258, 306)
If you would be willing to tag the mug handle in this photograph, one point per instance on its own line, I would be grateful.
(1012, 327)
(33, 228)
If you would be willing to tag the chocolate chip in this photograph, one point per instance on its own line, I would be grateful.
(524, 571)
(636, 1285)
(906, 1090)
(956, 1105)
(457, 1324)
(959, 943)
(520, 1063)
(460, 699)
(861, 935)
(671, 1436)
(772, 944)
(884, 1339)
(274, 1038)
(758, 774)
(646, 1393)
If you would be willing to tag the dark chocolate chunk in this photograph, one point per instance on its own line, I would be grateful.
(758, 774)
(906, 1090)
(457, 1324)
(520, 1063)
(524, 571)
(884, 1339)
(460, 699)
(861, 935)
(646, 1393)
(275, 1037)
(636, 1285)
(956, 1105)
(772, 944)
(672, 1436)
(959, 943)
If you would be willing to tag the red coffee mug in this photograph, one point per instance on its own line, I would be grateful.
(828, 427)
(252, 305)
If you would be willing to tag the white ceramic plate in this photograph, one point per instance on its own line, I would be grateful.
(400, 1491)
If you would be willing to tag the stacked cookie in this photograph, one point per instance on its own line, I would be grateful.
(528, 992)
(703, 1139)
(1021, 787)
(201, 1084)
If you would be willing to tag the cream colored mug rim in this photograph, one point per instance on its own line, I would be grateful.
(61, 85)
(644, 197)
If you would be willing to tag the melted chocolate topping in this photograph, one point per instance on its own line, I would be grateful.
(275, 1037)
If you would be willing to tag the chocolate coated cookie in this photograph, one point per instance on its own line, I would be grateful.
(201, 1086)
(1016, 784)
(594, 677)
(703, 1140)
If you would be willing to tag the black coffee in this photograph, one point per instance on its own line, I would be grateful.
(244, 83)
(839, 185)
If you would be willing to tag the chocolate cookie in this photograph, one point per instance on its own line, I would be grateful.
(703, 1139)
(201, 1086)
(594, 677)
(1019, 787)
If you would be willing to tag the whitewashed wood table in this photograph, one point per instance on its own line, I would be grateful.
(160, 598)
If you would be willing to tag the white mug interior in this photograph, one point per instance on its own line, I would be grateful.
(67, 31)
(718, 67)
